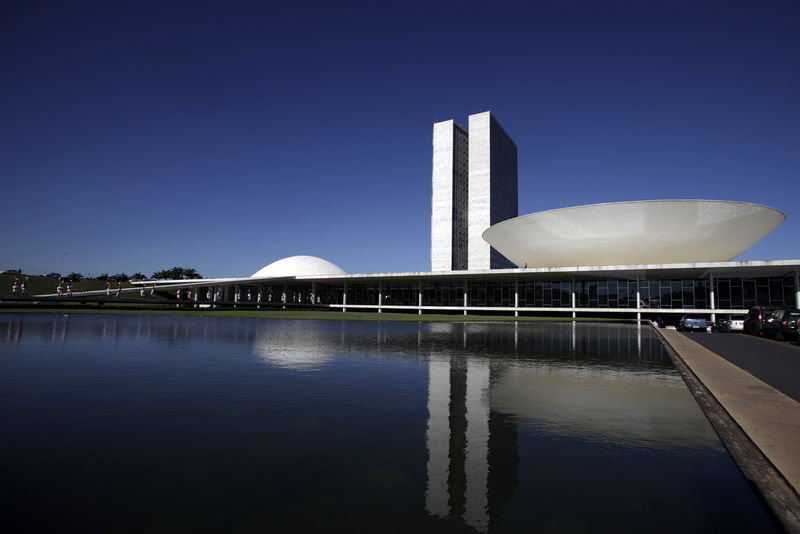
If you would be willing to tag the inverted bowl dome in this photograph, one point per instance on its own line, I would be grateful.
(631, 233)
(298, 266)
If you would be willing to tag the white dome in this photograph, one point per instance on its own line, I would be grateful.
(298, 266)
(631, 233)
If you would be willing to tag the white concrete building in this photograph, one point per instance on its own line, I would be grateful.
(639, 259)
(492, 187)
(474, 186)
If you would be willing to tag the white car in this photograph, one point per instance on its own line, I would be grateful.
(734, 323)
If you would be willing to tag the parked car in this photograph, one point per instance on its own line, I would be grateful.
(756, 317)
(782, 322)
(693, 321)
(732, 323)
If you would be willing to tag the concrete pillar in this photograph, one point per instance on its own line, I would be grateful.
(516, 297)
(711, 299)
(572, 290)
(344, 298)
(419, 294)
(638, 301)
(235, 295)
(196, 295)
(313, 293)
(797, 289)
(380, 296)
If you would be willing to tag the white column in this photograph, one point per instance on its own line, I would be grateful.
(711, 295)
(797, 289)
(344, 298)
(380, 296)
(572, 289)
(419, 295)
(516, 297)
(437, 493)
(638, 301)
(465, 297)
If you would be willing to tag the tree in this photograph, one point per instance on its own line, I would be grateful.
(177, 273)
(138, 276)
(121, 277)
(104, 277)
(191, 273)
(160, 275)
(75, 277)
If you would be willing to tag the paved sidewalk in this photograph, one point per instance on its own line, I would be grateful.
(775, 362)
(770, 418)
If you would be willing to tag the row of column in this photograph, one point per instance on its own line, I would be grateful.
(712, 299)
(466, 297)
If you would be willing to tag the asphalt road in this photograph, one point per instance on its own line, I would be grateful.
(775, 362)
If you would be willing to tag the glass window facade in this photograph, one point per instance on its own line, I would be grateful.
(744, 293)
(673, 293)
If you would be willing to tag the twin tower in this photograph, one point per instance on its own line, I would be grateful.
(474, 187)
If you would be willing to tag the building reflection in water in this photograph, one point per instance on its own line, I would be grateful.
(603, 384)
(472, 453)
(488, 384)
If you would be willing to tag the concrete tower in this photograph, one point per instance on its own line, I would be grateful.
(449, 198)
(474, 187)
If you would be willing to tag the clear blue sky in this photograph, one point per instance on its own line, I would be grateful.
(136, 136)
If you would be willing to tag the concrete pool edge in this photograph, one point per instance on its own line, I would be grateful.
(745, 413)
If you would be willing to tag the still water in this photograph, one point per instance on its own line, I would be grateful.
(198, 424)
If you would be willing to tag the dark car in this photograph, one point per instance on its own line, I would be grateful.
(782, 323)
(756, 317)
(693, 321)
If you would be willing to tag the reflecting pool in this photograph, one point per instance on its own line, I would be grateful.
(200, 424)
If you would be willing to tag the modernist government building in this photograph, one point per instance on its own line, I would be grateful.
(639, 259)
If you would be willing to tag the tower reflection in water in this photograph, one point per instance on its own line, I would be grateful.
(597, 383)
(472, 453)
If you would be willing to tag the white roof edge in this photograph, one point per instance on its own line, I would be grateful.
(531, 270)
